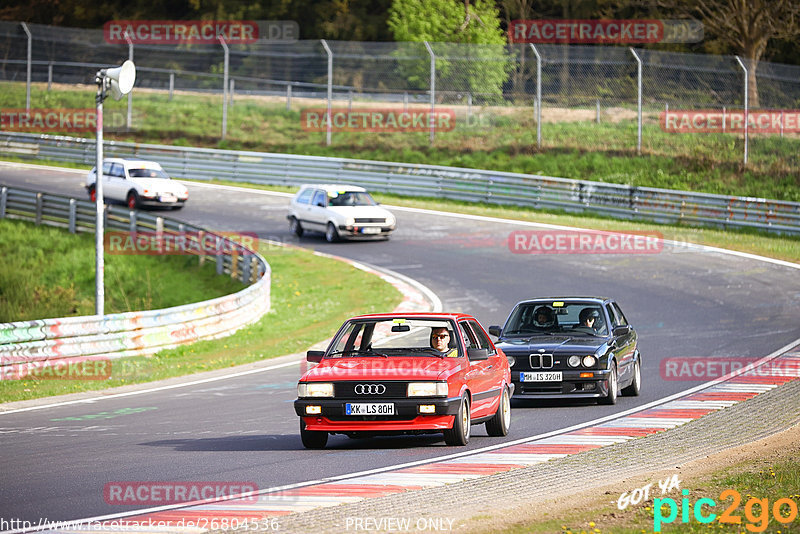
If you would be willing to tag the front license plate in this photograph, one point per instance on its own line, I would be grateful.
(371, 230)
(374, 408)
(550, 376)
(168, 198)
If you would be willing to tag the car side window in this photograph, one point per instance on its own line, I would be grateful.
(107, 168)
(305, 196)
(319, 199)
(615, 321)
(117, 171)
(619, 314)
(482, 341)
(466, 333)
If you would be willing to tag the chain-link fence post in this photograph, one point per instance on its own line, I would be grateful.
(538, 101)
(224, 87)
(746, 107)
(638, 101)
(30, 61)
(330, 88)
(431, 119)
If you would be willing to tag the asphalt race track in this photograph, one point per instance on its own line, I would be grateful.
(683, 302)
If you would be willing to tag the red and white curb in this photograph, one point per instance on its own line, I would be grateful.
(642, 421)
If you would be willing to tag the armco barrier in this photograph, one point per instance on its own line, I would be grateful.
(620, 201)
(133, 333)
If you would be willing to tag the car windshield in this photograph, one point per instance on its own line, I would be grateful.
(351, 198)
(556, 317)
(148, 173)
(395, 336)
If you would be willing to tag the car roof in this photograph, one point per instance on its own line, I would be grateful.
(141, 163)
(416, 315)
(598, 300)
(335, 188)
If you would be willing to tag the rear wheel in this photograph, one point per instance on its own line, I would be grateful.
(613, 385)
(296, 227)
(312, 439)
(459, 434)
(331, 235)
(92, 193)
(132, 200)
(636, 386)
(498, 425)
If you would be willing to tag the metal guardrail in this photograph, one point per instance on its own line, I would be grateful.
(472, 185)
(76, 339)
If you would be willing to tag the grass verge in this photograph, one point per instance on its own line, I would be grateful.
(311, 297)
(33, 286)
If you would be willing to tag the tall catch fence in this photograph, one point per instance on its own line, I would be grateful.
(483, 84)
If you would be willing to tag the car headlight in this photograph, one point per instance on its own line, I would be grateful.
(349, 221)
(427, 389)
(390, 220)
(511, 360)
(589, 361)
(574, 361)
(315, 389)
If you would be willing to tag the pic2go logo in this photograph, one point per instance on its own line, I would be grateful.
(756, 511)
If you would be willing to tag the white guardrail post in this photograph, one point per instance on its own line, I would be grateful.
(75, 339)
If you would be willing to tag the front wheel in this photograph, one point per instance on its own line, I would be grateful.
(92, 193)
(613, 385)
(331, 235)
(498, 425)
(312, 439)
(636, 386)
(459, 433)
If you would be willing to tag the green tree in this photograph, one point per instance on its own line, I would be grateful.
(467, 40)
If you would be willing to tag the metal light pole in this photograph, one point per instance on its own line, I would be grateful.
(117, 82)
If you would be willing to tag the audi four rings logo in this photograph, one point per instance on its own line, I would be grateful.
(369, 389)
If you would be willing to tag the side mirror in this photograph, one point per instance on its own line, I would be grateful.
(315, 356)
(620, 331)
(495, 331)
(475, 354)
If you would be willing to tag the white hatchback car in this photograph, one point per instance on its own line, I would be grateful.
(137, 183)
(340, 212)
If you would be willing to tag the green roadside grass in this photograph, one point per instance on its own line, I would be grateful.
(502, 139)
(311, 297)
(33, 286)
(746, 492)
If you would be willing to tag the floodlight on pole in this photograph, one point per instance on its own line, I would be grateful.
(117, 82)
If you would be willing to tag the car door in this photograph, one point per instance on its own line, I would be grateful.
(479, 376)
(115, 186)
(317, 210)
(625, 345)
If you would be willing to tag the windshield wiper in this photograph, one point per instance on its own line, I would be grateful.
(358, 352)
